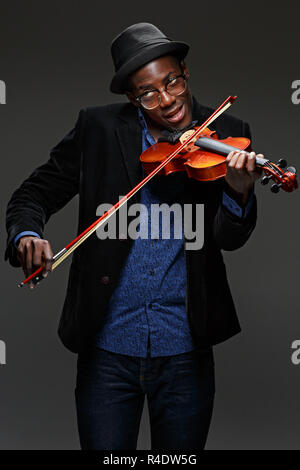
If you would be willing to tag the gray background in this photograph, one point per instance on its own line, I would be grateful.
(55, 59)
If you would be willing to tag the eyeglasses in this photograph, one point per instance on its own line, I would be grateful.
(175, 86)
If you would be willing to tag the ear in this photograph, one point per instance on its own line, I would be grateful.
(132, 99)
(185, 69)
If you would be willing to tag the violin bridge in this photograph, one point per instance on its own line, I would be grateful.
(185, 137)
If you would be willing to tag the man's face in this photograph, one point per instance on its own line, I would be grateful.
(173, 111)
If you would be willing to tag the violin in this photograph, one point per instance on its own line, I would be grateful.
(201, 154)
(204, 159)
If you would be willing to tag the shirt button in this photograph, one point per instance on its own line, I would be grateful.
(152, 272)
(104, 280)
(150, 305)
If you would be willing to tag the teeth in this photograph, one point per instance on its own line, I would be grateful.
(175, 116)
(172, 115)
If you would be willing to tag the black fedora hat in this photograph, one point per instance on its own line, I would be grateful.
(136, 46)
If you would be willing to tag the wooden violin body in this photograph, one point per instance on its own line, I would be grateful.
(201, 154)
(205, 159)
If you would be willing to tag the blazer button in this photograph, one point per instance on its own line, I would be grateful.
(104, 280)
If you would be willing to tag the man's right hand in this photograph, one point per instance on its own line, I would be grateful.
(32, 253)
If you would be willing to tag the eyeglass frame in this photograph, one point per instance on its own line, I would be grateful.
(138, 98)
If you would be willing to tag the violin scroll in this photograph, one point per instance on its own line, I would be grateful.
(285, 180)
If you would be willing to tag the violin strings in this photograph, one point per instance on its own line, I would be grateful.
(222, 108)
(63, 254)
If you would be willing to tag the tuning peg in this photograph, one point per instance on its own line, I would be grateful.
(291, 169)
(276, 187)
(265, 179)
(282, 163)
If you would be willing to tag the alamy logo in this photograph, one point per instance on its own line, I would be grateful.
(176, 220)
(296, 94)
(2, 352)
(2, 92)
(295, 358)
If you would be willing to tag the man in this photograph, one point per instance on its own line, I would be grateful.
(143, 314)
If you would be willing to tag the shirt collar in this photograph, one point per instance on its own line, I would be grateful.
(142, 120)
(146, 133)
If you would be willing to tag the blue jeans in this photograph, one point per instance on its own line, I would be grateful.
(110, 392)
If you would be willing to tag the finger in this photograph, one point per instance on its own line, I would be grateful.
(28, 258)
(230, 155)
(251, 162)
(42, 255)
(260, 155)
(234, 159)
(241, 161)
(259, 169)
(48, 258)
(37, 250)
(28, 261)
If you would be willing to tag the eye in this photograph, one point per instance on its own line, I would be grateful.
(149, 94)
(173, 82)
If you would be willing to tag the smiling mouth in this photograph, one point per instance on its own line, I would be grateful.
(177, 116)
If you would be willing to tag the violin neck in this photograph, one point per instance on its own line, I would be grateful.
(207, 143)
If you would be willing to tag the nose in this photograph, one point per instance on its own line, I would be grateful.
(166, 99)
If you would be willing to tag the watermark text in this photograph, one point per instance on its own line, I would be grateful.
(2, 352)
(295, 358)
(2, 92)
(295, 97)
(157, 221)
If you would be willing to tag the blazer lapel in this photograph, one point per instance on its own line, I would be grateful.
(129, 134)
(200, 112)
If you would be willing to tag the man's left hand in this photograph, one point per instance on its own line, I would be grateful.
(241, 173)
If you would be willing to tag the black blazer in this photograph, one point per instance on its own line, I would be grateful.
(99, 160)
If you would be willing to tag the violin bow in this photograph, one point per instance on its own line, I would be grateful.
(37, 277)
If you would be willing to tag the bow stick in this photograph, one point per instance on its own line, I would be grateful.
(36, 277)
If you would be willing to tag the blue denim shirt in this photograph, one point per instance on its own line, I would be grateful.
(148, 304)
(149, 300)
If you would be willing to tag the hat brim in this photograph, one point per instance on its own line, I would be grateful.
(150, 53)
